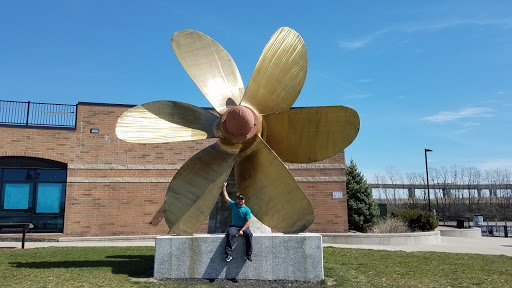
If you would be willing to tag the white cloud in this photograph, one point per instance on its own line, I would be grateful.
(423, 27)
(354, 44)
(365, 80)
(445, 116)
(417, 27)
(358, 96)
(361, 42)
(497, 163)
(467, 126)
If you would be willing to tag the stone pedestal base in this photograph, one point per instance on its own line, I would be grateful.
(275, 257)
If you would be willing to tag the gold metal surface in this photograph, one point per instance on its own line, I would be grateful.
(311, 134)
(195, 188)
(279, 74)
(271, 191)
(165, 121)
(210, 66)
(300, 135)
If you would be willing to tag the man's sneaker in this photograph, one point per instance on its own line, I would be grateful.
(228, 258)
(248, 257)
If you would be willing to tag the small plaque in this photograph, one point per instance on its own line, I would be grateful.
(337, 195)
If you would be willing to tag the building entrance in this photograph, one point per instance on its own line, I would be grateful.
(33, 190)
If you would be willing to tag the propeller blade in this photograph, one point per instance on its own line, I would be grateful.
(195, 188)
(165, 121)
(210, 67)
(279, 75)
(311, 134)
(270, 190)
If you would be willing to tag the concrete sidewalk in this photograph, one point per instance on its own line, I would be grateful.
(84, 241)
(483, 245)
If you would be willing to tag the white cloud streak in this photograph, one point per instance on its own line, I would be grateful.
(358, 96)
(497, 164)
(365, 40)
(445, 116)
(466, 127)
(365, 80)
(361, 42)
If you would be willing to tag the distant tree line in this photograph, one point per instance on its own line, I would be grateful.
(457, 191)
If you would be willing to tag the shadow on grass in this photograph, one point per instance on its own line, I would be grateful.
(137, 266)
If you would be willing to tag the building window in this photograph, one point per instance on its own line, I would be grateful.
(33, 190)
(16, 196)
(49, 196)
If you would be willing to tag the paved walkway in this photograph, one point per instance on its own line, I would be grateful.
(484, 245)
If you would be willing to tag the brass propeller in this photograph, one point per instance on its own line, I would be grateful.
(310, 134)
(279, 74)
(271, 191)
(165, 121)
(195, 188)
(210, 66)
(260, 124)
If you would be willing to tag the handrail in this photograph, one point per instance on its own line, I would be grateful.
(37, 114)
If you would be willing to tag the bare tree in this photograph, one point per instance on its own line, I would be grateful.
(457, 191)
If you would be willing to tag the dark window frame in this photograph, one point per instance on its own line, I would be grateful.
(41, 172)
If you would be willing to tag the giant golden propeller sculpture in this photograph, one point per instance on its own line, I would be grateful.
(256, 130)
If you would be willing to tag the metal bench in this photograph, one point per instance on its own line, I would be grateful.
(24, 226)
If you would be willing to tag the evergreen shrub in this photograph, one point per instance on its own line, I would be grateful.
(417, 220)
(363, 211)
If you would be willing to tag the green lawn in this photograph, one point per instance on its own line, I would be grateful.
(370, 268)
(116, 266)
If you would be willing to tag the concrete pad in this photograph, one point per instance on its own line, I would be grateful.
(29, 245)
(465, 233)
(276, 257)
(390, 239)
(483, 245)
(109, 238)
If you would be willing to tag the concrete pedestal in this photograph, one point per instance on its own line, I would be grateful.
(275, 257)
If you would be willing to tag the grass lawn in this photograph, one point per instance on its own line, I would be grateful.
(115, 266)
(370, 268)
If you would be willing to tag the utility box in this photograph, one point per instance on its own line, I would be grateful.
(383, 210)
(478, 220)
(460, 223)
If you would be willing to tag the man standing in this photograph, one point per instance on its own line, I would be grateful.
(240, 221)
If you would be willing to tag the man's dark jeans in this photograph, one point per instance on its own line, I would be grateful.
(232, 233)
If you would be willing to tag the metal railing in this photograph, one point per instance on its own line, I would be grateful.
(496, 230)
(457, 222)
(488, 230)
(37, 114)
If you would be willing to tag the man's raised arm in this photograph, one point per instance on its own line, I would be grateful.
(225, 193)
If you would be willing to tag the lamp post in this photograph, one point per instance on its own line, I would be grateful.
(428, 188)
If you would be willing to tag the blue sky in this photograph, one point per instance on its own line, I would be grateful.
(433, 74)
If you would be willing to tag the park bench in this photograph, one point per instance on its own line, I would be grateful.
(24, 226)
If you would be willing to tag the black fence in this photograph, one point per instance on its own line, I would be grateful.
(37, 114)
(487, 230)
(457, 222)
(496, 230)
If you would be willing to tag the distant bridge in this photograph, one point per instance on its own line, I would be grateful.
(446, 188)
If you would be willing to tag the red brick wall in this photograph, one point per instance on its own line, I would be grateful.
(108, 200)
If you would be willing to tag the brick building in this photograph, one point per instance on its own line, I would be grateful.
(81, 180)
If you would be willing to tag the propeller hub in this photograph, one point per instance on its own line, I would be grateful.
(239, 123)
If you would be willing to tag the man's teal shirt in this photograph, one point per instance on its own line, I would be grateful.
(239, 215)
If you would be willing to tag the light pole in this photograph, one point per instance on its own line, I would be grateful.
(428, 188)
